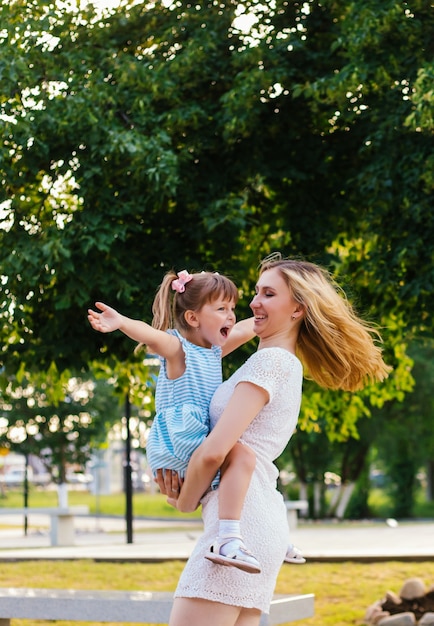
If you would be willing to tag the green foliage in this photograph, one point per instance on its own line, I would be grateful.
(152, 136)
(405, 443)
(56, 416)
(169, 130)
(358, 506)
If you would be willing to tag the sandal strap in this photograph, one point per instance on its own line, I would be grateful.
(238, 548)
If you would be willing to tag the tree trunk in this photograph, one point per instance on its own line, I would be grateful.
(430, 481)
(317, 499)
(62, 495)
(303, 495)
(336, 494)
(340, 500)
(346, 493)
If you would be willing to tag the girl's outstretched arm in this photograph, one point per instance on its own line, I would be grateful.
(106, 321)
(158, 341)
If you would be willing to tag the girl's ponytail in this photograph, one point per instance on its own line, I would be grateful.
(162, 307)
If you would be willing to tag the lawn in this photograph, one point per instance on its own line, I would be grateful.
(343, 591)
(144, 505)
(155, 505)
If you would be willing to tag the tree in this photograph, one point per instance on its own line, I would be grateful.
(94, 166)
(376, 93)
(57, 417)
(164, 135)
(406, 443)
(160, 128)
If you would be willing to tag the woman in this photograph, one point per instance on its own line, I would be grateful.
(300, 318)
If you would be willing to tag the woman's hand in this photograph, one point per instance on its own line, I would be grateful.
(170, 484)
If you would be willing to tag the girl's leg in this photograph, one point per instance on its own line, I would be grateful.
(235, 475)
(229, 548)
(197, 612)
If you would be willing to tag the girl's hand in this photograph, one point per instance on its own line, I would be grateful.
(105, 322)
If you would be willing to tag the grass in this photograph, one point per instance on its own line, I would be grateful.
(155, 505)
(343, 591)
(144, 505)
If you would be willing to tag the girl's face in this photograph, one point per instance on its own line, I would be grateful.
(273, 305)
(213, 323)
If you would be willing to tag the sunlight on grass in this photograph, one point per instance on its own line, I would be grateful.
(343, 591)
(144, 505)
(155, 505)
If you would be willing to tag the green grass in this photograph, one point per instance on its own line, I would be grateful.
(144, 505)
(155, 505)
(343, 591)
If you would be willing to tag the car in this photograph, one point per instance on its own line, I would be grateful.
(78, 478)
(15, 476)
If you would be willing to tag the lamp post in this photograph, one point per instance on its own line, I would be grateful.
(26, 490)
(128, 474)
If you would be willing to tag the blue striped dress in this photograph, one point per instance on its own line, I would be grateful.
(182, 421)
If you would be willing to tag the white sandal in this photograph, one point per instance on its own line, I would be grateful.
(293, 555)
(238, 556)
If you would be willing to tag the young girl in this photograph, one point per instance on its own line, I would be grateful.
(193, 327)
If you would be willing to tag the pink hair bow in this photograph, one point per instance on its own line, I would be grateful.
(179, 283)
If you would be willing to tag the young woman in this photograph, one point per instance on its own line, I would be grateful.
(301, 319)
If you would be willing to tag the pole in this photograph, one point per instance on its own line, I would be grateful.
(128, 474)
(26, 490)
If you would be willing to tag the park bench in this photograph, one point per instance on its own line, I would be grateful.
(292, 508)
(62, 521)
(141, 607)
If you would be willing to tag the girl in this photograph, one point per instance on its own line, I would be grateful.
(193, 327)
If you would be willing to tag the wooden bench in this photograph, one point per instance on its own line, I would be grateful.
(62, 521)
(292, 508)
(141, 607)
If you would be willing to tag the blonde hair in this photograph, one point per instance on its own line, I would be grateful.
(336, 347)
(169, 306)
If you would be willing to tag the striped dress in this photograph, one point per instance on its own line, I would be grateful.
(181, 421)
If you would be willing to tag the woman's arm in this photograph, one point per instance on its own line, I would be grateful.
(246, 402)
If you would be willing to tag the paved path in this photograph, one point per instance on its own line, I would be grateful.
(104, 538)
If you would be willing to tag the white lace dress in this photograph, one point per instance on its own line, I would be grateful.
(264, 520)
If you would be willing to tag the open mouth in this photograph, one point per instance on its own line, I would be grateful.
(224, 331)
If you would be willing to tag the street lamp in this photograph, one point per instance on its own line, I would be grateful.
(128, 473)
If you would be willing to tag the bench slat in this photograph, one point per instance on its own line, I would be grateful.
(61, 521)
(79, 509)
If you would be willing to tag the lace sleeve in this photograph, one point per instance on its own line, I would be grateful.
(269, 369)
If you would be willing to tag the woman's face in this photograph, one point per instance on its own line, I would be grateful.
(273, 305)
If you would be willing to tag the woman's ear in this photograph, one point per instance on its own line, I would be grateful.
(191, 318)
(298, 312)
